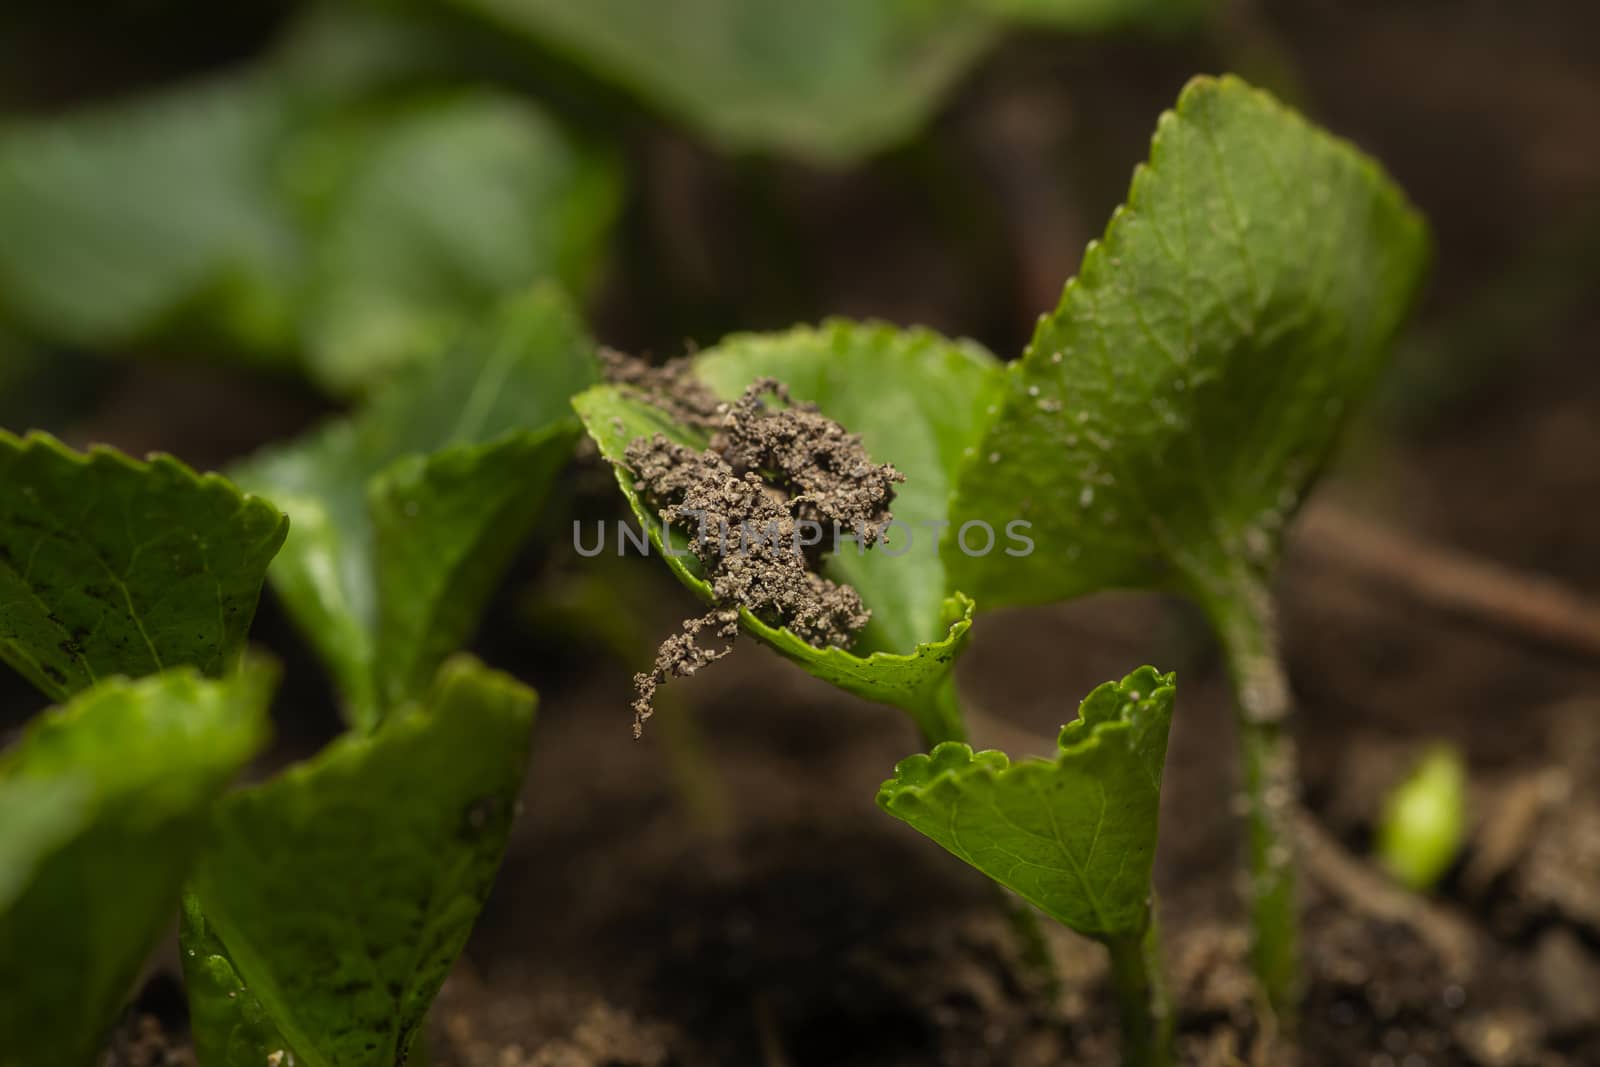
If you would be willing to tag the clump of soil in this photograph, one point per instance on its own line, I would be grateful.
(759, 504)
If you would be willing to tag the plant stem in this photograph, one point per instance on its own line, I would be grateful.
(938, 713)
(1246, 628)
(1143, 1007)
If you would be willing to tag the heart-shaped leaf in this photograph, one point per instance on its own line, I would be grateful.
(1074, 836)
(407, 513)
(111, 566)
(105, 803)
(342, 891)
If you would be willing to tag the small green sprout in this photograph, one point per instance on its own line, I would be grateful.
(1424, 820)
(1074, 836)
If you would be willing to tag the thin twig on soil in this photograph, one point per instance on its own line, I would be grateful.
(1524, 606)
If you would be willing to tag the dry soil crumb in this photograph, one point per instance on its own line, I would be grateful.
(761, 506)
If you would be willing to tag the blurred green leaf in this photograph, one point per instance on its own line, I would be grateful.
(1074, 836)
(442, 206)
(344, 889)
(111, 566)
(406, 513)
(105, 803)
(1102, 14)
(826, 79)
(340, 220)
(118, 218)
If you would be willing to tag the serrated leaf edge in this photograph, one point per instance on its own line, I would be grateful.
(911, 779)
(103, 454)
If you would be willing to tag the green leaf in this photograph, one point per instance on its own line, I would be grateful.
(406, 513)
(438, 206)
(917, 401)
(1075, 836)
(111, 566)
(1169, 416)
(344, 889)
(448, 525)
(116, 218)
(827, 79)
(106, 802)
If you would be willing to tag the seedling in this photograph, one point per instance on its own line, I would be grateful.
(1170, 415)
(1424, 820)
(328, 903)
(1074, 836)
